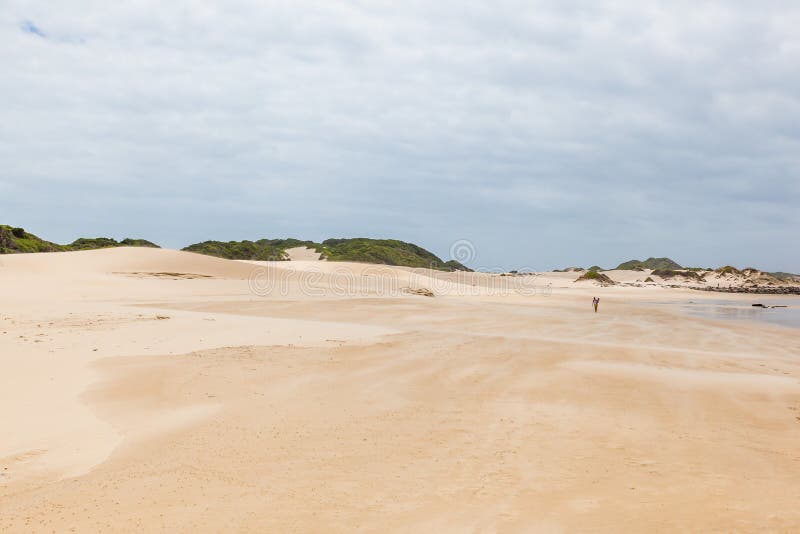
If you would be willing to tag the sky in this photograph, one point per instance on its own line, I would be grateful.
(543, 133)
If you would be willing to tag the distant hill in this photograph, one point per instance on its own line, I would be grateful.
(361, 249)
(261, 250)
(91, 243)
(386, 252)
(15, 240)
(650, 263)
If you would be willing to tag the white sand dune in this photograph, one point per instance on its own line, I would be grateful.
(122, 259)
(147, 389)
(303, 254)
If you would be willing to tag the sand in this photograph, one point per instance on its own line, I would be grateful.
(162, 390)
(303, 254)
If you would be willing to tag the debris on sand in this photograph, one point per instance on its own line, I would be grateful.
(419, 291)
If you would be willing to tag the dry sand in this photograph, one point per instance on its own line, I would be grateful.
(156, 390)
(303, 254)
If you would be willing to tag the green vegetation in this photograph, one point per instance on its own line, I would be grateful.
(453, 265)
(386, 252)
(365, 250)
(17, 240)
(128, 242)
(649, 263)
(92, 243)
(361, 249)
(728, 270)
(381, 251)
(597, 277)
(261, 250)
(648, 279)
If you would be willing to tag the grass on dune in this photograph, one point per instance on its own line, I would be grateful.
(361, 249)
(15, 240)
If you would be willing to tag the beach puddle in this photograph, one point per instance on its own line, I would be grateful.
(778, 311)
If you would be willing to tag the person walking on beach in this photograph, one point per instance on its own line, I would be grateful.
(595, 303)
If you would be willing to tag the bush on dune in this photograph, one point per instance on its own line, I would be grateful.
(728, 270)
(15, 240)
(650, 263)
(128, 242)
(239, 250)
(364, 250)
(595, 276)
(93, 243)
(382, 251)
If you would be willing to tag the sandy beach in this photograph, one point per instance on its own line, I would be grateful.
(157, 390)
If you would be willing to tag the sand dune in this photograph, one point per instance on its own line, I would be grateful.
(161, 390)
(120, 260)
(303, 254)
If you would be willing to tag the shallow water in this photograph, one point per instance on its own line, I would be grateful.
(742, 310)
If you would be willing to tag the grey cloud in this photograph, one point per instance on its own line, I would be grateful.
(549, 133)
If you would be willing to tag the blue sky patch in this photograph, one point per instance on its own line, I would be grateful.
(29, 27)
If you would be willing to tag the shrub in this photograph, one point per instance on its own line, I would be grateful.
(650, 263)
(669, 273)
(728, 269)
(128, 242)
(87, 243)
(597, 277)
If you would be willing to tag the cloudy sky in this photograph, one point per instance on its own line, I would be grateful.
(548, 133)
